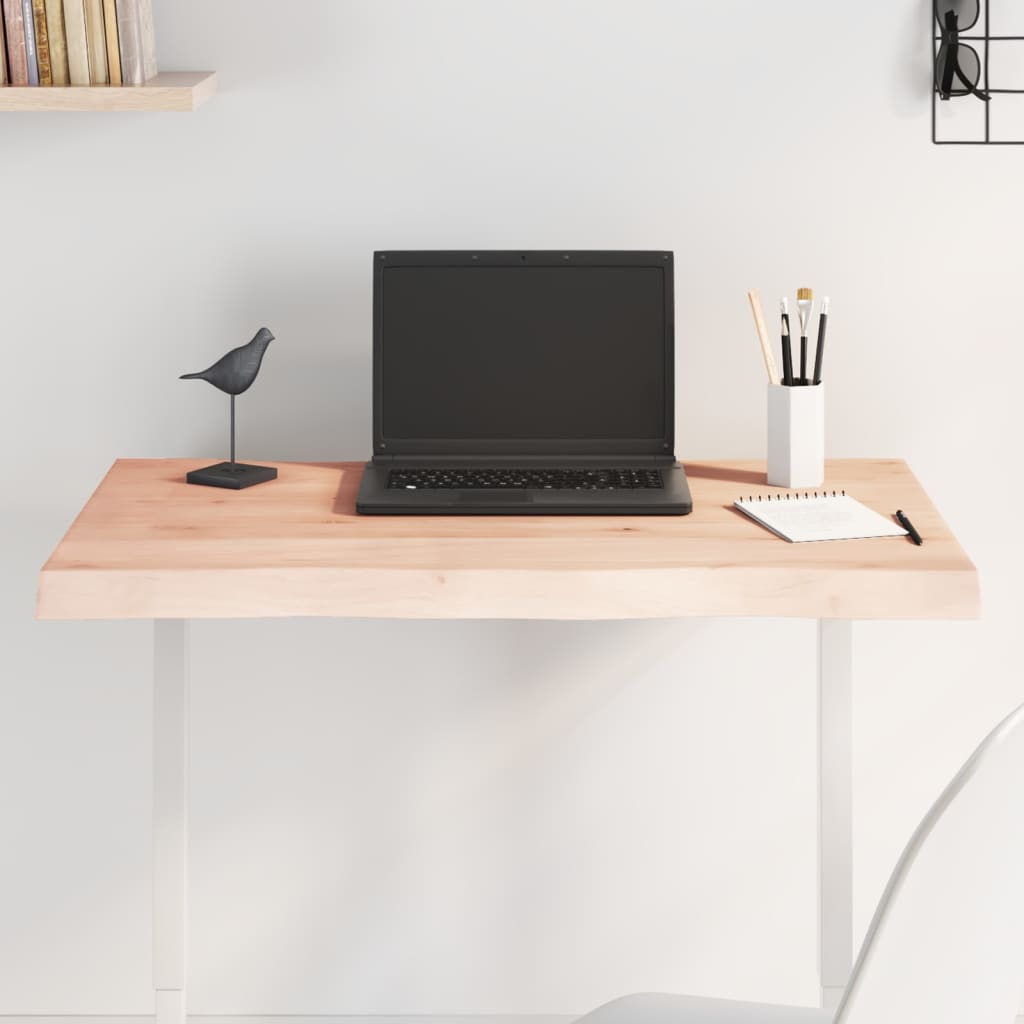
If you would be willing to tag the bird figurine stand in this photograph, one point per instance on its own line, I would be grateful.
(234, 373)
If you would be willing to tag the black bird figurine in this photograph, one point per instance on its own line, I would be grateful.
(234, 373)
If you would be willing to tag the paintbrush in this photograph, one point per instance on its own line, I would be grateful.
(822, 324)
(787, 350)
(804, 303)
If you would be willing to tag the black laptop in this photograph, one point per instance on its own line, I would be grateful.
(519, 383)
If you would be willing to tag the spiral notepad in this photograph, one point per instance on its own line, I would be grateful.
(817, 515)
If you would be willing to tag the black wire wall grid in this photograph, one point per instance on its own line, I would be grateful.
(970, 106)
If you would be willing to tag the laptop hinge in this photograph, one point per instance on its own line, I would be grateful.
(618, 459)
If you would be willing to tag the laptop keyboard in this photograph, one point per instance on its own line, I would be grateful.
(451, 479)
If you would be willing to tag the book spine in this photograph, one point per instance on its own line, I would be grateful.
(58, 42)
(17, 60)
(113, 49)
(99, 73)
(129, 33)
(3, 51)
(78, 42)
(42, 42)
(147, 30)
(28, 20)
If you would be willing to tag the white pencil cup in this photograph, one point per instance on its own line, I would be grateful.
(796, 435)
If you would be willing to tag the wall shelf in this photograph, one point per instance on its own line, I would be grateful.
(168, 91)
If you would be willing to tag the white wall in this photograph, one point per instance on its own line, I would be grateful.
(500, 817)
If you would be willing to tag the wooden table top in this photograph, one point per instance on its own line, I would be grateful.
(148, 545)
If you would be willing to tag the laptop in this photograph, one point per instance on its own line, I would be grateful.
(523, 383)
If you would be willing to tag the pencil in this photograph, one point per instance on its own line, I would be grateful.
(762, 335)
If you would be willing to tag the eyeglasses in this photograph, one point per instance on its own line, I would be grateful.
(957, 65)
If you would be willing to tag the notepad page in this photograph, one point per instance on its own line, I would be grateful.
(838, 517)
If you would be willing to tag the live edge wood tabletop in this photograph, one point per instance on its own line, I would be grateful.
(148, 545)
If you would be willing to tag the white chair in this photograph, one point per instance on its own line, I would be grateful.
(946, 944)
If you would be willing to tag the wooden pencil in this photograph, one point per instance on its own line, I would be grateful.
(762, 334)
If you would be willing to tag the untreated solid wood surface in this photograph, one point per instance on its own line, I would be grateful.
(148, 545)
(170, 91)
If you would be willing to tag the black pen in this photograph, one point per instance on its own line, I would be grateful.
(909, 527)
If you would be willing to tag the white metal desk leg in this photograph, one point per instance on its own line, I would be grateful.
(835, 807)
(170, 817)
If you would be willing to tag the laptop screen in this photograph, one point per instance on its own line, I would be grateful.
(509, 351)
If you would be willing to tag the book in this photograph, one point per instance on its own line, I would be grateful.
(113, 52)
(58, 42)
(149, 65)
(3, 51)
(29, 21)
(817, 515)
(17, 60)
(78, 42)
(42, 42)
(137, 39)
(99, 71)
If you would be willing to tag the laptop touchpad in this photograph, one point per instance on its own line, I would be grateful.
(494, 498)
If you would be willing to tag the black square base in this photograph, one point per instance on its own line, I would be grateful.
(236, 477)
